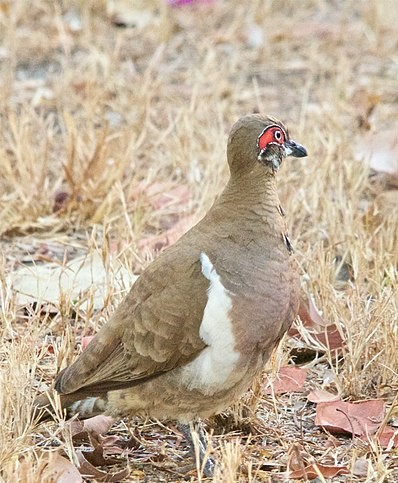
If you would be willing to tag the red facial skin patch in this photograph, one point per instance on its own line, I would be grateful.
(271, 135)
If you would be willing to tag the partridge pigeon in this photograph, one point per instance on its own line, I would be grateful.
(200, 322)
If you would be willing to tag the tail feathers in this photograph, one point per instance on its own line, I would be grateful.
(88, 407)
(46, 406)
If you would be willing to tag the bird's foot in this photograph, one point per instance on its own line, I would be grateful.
(197, 442)
(209, 466)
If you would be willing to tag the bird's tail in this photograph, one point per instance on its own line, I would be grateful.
(51, 405)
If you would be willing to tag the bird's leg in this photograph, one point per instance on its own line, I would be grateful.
(198, 446)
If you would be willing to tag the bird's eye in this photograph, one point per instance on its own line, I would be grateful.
(271, 135)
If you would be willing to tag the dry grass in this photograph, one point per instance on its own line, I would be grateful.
(92, 114)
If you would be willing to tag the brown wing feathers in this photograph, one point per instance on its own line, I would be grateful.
(153, 342)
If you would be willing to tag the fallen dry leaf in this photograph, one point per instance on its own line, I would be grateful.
(61, 470)
(325, 334)
(310, 317)
(330, 338)
(94, 426)
(301, 464)
(288, 379)
(319, 396)
(313, 471)
(359, 418)
(98, 424)
(112, 445)
(315, 314)
(90, 471)
(47, 283)
(97, 455)
(388, 437)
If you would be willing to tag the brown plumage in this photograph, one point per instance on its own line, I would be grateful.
(202, 319)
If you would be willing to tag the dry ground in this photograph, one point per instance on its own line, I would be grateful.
(94, 116)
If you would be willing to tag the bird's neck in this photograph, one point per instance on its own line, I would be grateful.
(252, 192)
(247, 209)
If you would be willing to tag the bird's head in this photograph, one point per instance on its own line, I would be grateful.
(258, 139)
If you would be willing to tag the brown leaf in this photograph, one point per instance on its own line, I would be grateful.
(315, 315)
(310, 471)
(112, 445)
(61, 470)
(326, 334)
(319, 396)
(92, 426)
(330, 338)
(302, 465)
(97, 456)
(90, 471)
(309, 315)
(288, 379)
(388, 437)
(360, 418)
(77, 430)
(304, 314)
(98, 424)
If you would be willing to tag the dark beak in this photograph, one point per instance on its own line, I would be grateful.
(295, 149)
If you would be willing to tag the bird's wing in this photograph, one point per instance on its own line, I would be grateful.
(155, 329)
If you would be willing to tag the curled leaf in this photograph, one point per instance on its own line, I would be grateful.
(90, 471)
(93, 426)
(319, 396)
(288, 379)
(313, 471)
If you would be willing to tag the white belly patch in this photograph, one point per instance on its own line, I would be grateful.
(211, 370)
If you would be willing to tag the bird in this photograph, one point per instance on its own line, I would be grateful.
(202, 319)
